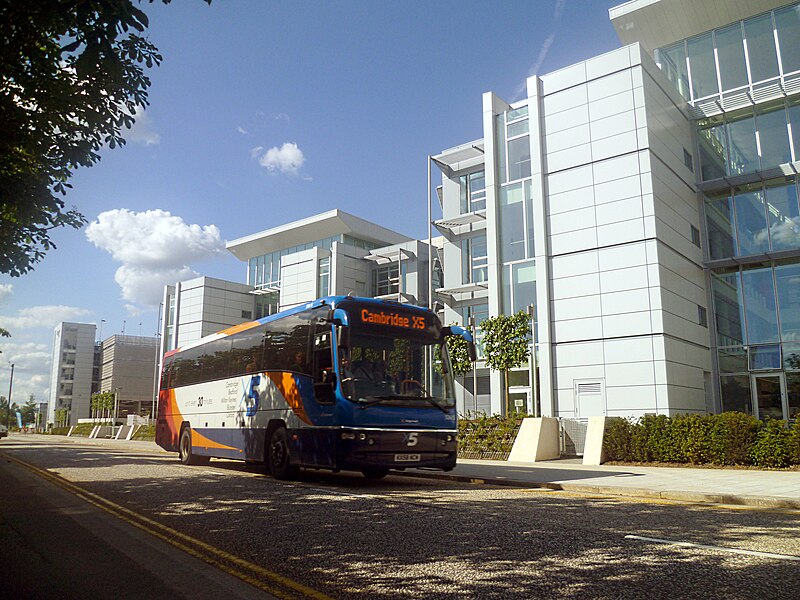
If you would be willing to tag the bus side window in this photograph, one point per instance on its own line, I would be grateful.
(322, 364)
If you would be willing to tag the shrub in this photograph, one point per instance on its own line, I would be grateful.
(732, 436)
(794, 442)
(59, 430)
(617, 439)
(145, 433)
(483, 436)
(771, 448)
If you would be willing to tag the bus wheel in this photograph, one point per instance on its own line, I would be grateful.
(279, 455)
(375, 472)
(185, 450)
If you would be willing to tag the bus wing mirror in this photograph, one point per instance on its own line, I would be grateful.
(338, 316)
(464, 333)
(473, 352)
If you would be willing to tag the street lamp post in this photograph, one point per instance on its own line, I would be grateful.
(532, 361)
(8, 400)
(472, 330)
(116, 404)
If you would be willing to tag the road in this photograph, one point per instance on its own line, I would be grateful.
(402, 537)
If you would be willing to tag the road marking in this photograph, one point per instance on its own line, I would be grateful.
(717, 548)
(282, 587)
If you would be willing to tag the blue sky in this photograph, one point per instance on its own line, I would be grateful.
(267, 112)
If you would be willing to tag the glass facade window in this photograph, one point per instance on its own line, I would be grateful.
(728, 309)
(473, 192)
(730, 53)
(713, 149)
(736, 393)
(794, 120)
(791, 357)
(787, 280)
(519, 286)
(784, 216)
(761, 313)
(519, 158)
(732, 360)
(474, 259)
(672, 61)
(755, 220)
(765, 358)
(761, 48)
(701, 66)
(742, 145)
(736, 56)
(773, 136)
(324, 276)
(512, 222)
(787, 23)
(751, 221)
(386, 280)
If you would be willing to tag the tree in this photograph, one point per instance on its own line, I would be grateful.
(102, 404)
(71, 76)
(28, 410)
(506, 342)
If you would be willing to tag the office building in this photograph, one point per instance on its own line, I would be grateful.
(128, 369)
(330, 253)
(72, 371)
(642, 205)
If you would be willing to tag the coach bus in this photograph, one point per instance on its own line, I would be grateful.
(341, 383)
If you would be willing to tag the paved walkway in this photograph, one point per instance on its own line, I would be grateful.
(780, 489)
(727, 486)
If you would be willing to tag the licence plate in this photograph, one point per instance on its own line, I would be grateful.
(406, 458)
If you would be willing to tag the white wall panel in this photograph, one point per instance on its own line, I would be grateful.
(618, 189)
(612, 105)
(620, 233)
(572, 200)
(627, 324)
(576, 308)
(575, 286)
(613, 125)
(564, 78)
(609, 85)
(572, 221)
(574, 264)
(565, 99)
(565, 181)
(579, 354)
(622, 257)
(574, 241)
(567, 119)
(626, 302)
(612, 146)
(624, 279)
(627, 350)
(634, 373)
(616, 168)
(609, 62)
(621, 210)
(571, 157)
(567, 138)
(577, 329)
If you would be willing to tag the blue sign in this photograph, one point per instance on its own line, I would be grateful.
(19, 419)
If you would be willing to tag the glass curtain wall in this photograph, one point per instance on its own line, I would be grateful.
(732, 59)
(515, 211)
(754, 219)
(757, 311)
(749, 140)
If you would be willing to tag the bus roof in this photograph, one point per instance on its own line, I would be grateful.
(332, 301)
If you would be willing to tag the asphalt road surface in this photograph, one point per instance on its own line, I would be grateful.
(343, 536)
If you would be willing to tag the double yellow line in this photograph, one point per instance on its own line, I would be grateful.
(257, 576)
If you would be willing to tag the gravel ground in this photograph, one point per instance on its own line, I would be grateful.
(419, 538)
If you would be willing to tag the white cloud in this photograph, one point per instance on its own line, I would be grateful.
(242, 130)
(42, 316)
(558, 11)
(142, 132)
(286, 159)
(32, 363)
(154, 248)
(6, 289)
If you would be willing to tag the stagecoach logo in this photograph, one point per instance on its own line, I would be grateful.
(250, 396)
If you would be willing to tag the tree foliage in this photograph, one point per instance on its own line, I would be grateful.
(458, 349)
(506, 343)
(71, 76)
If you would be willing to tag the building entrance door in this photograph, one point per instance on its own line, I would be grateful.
(519, 400)
(769, 395)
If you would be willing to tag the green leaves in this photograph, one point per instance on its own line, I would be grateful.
(505, 340)
(70, 77)
(458, 349)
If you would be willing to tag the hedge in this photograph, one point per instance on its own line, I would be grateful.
(730, 438)
(488, 437)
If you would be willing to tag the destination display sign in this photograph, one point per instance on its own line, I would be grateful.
(393, 319)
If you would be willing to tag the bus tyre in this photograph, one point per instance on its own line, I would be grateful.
(375, 472)
(185, 450)
(278, 461)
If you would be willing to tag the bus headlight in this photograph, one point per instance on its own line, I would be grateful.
(362, 436)
(348, 435)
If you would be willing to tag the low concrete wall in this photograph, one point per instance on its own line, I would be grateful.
(537, 440)
(593, 453)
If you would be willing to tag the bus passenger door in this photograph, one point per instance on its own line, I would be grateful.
(322, 368)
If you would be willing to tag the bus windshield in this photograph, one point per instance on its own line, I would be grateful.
(377, 369)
